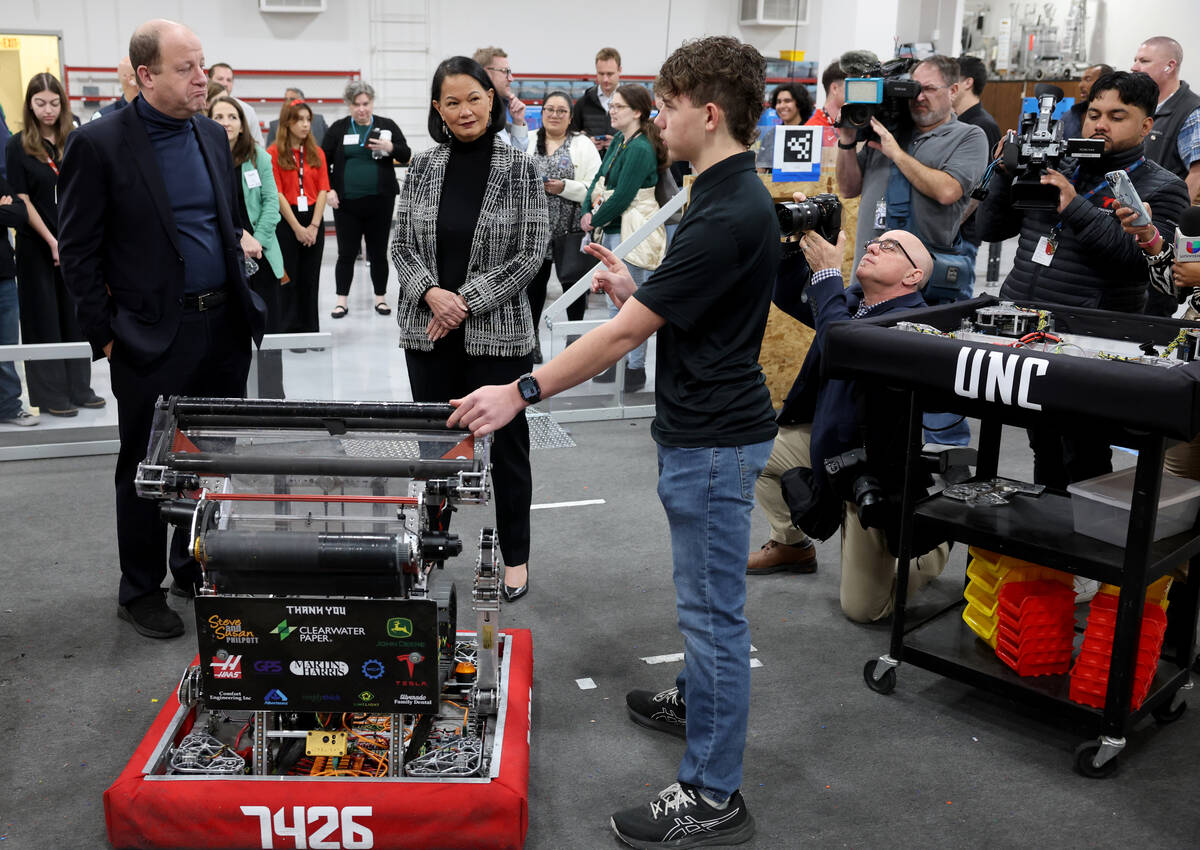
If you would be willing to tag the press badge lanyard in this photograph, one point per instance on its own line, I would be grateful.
(301, 198)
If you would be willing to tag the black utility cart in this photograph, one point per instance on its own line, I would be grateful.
(1134, 405)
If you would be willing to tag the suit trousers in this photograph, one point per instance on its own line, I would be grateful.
(449, 372)
(303, 266)
(868, 584)
(48, 315)
(355, 218)
(209, 357)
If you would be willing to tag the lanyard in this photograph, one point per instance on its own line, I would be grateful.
(50, 152)
(299, 154)
(1129, 169)
(362, 142)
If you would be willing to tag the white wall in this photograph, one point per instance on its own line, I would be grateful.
(397, 43)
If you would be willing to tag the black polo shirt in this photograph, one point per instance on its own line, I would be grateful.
(713, 289)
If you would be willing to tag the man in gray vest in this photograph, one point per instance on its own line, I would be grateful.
(1174, 141)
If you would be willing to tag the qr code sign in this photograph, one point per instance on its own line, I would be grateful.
(797, 147)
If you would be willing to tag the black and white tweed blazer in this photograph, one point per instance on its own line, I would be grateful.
(506, 252)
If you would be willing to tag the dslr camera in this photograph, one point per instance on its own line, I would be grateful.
(822, 213)
(883, 92)
(1040, 146)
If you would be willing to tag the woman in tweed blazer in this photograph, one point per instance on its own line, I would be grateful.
(471, 232)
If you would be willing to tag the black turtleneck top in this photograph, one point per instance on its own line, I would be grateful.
(458, 211)
(191, 195)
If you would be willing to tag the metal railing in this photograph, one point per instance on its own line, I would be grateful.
(559, 326)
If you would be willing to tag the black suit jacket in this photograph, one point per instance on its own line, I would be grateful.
(118, 244)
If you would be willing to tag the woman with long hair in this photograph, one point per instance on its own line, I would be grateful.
(567, 161)
(794, 106)
(258, 198)
(302, 183)
(33, 157)
(470, 234)
(629, 173)
(363, 150)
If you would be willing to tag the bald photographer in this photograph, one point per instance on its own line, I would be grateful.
(820, 421)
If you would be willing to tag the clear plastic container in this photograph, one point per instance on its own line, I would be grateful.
(1100, 506)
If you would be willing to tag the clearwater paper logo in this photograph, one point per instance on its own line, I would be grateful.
(283, 630)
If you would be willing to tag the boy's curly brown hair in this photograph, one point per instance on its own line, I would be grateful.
(721, 70)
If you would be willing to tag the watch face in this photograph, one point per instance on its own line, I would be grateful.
(530, 391)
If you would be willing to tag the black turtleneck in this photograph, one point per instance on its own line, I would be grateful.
(190, 192)
(458, 211)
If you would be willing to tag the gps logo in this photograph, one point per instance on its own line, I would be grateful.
(268, 666)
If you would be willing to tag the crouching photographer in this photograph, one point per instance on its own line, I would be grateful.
(823, 418)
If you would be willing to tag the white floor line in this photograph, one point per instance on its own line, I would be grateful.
(566, 504)
(585, 684)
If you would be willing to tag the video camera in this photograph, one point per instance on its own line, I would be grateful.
(822, 213)
(883, 92)
(1041, 146)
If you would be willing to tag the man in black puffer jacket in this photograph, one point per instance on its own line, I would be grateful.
(1095, 263)
(1078, 255)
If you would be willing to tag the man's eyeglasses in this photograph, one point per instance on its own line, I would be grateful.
(889, 246)
(505, 71)
(932, 90)
(558, 111)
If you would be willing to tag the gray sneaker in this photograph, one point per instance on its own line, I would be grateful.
(24, 419)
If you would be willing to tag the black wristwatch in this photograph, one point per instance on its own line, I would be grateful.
(846, 147)
(529, 388)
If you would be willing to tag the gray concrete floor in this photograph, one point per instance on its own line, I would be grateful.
(828, 762)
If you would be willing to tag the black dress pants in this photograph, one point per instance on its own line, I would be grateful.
(536, 292)
(303, 266)
(270, 363)
(370, 217)
(48, 315)
(209, 357)
(449, 372)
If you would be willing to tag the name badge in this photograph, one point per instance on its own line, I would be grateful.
(881, 216)
(253, 181)
(1043, 254)
(350, 139)
(302, 203)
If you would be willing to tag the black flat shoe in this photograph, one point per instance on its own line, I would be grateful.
(383, 309)
(340, 311)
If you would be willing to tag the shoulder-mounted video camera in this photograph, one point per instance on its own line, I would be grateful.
(882, 92)
(1039, 146)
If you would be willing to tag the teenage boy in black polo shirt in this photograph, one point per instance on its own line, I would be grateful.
(714, 427)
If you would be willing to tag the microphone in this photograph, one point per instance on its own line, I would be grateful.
(858, 63)
(1187, 237)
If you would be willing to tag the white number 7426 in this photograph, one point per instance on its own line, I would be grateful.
(354, 836)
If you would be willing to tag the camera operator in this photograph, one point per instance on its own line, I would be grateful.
(1077, 254)
(920, 184)
(820, 416)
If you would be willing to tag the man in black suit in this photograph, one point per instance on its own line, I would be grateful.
(150, 250)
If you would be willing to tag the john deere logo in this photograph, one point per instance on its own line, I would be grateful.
(283, 630)
(399, 627)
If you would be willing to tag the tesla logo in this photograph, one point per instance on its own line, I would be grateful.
(412, 659)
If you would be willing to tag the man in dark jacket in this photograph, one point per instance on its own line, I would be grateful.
(1078, 254)
(149, 241)
(819, 417)
(591, 111)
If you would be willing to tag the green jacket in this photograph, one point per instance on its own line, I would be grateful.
(626, 168)
(262, 206)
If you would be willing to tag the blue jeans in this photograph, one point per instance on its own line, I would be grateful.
(708, 494)
(637, 357)
(10, 384)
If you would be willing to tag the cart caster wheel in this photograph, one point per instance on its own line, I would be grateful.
(1165, 714)
(883, 685)
(1084, 754)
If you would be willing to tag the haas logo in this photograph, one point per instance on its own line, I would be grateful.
(1003, 376)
